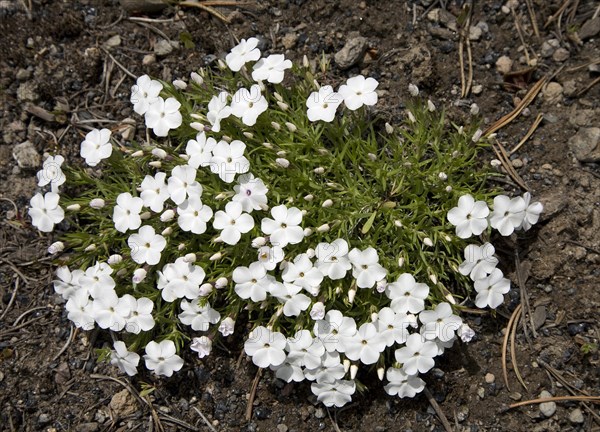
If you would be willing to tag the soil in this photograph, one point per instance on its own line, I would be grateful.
(62, 71)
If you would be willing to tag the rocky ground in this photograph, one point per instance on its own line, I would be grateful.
(65, 67)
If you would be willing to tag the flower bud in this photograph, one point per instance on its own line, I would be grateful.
(278, 97)
(351, 294)
(139, 275)
(90, 248)
(319, 170)
(447, 238)
(138, 153)
(381, 285)
(264, 207)
(258, 242)
(353, 371)
(430, 105)
(190, 258)
(122, 272)
(281, 153)
(56, 247)
(318, 311)
(155, 164)
(74, 207)
(398, 223)
(197, 116)
(323, 228)
(268, 145)
(433, 278)
(310, 252)
(282, 162)
(465, 333)
(400, 261)
(216, 256)
(477, 136)
(304, 211)
(443, 176)
(221, 196)
(291, 127)
(167, 232)
(181, 85)
(346, 365)
(221, 64)
(197, 126)
(380, 373)
(413, 90)
(221, 282)
(226, 138)
(146, 215)
(184, 157)
(389, 128)
(308, 232)
(374, 316)
(276, 126)
(205, 289)
(450, 298)
(305, 61)
(181, 246)
(495, 163)
(411, 117)
(327, 203)
(196, 78)
(427, 242)
(114, 259)
(167, 215)
(97, 203)
(283, 106)
(448, 188)
(248, 135)
(372, 156)
(218, 239)
(309, 197)
(159, 153)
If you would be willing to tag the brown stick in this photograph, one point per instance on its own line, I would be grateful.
(505, 344)
(253, 394)
(438, 410)
(592, 399)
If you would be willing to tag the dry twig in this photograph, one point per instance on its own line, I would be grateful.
(253, 394)
(505, 343)
(591, 399)
(438, 410)
(530, 132)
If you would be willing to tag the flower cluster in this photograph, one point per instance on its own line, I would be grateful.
(273, 207)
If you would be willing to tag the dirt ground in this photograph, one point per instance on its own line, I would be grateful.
(64, 67)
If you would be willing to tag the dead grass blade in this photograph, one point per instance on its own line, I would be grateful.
(589, 86)
(438, 410)
(465, 24)
(209, 6)
(529, 97)
(532, 18)
(513, 353)
(210, 426)
(521, 37)
(591, 399)
(530, 132)
(505, 160)
(505, 344)
(253, 394)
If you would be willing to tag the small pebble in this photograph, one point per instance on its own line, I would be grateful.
(320, 413)
(282, 428)
(481, 392)
(576, 416)
(516, 396)
(517, 163)
(504, 64)
(149, 59)
(547, 408)
(560, 55)
(490, 378)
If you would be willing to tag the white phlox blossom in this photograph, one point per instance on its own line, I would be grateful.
(96, 146)
(301, 272)
(402, 384)
(126, 214)
(323, 104)
(285, 227)
(252, 282)
(182, 184)
(359, 91)
(491, 290)
(51, 173)
(232, 222)
(218, 109)
(407, 295)
(250, 192)
(332, 259)
(163, 115)
(479, 261)
(162, 358)
(469, 217)
(200, 150)
(144, 93)
(271, 69)
(440, 323)
(45, 211)
(180, 279)
(265, 347)
(508, 214)
(242, 53)
(146, 246)
(228, 160)
(294, 302)
(248, 104)
(193, 215)
(198, 317)
(125, 360)
(154, 191)
(365, 267)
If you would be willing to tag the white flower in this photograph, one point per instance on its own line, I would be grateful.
(227, 326)
(491, 290)
(532, 212)
(218, 110)
(197, 316)
(407, 295)
(126, 214)
(302, 273)
(289, 294)
(202, 345)
(366, 345)
(402, 384)
(154, 191)
(52, 173)
(317, 311)
(200, 150)
(97, 280)
(392, 326)
(242, 53)
(323, 104)
(229, 160)
(440, 323)
(271, 68)
(270, 256)
(232, 222)
(125, 360)
(465, 333)
(417, 355)
(162, 358)
(140, 313)
(304, 350)
(193, 215)
(508, 214)
(289, 371)
(359, 91)
(265, 347)
(45, 211)
(284, 228)
(334, 329)
(79, 308)
(182, 183)
(180, 279)
(68, 282)
(333, 259)
(470, 217)
(163, 115)
(336, 393)
(146, 245)
(252, 282)
(250, 192)
(144, 93)
(110, 312)
(479, 261)
(248, 104)
(96, 146)
(366, 267)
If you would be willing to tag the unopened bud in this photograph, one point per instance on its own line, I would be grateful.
(139, 275)
(309, 197)
(372, 156)
(74, 207)
(56, 247)
(448, 188)
(398, 223)
(221, 282)
(433, 278)
(430, 105)
(167, 215)
(258, 242)
(346, 365)
(181, 85)
(196, 78)
(353, 371)
(97, 203)
(197, 116)
(305, 61)
(197, 126)
(90, 248)
(351, 294)
(249, 135)
(221, 64)
(389, 128)
(291, 127)
(477, 136)
(146, 215)
(310, 252)
(167, 232)
(380, 373)
(411, 117)
(282, 162)
(443, 176)
(155, 164)
(495, 163)
(276, 126)
(319, 170)
(205, 289)
(323, 228)
(413, 90)
(283, 106)
(327, 203)
(138, 153)
(400, 261)
(374, 316)
(268, 145)
(427, 242)
(114, 259)
(216, 257)
(281, 153)
(221, 196)
(450, 298)
(226, 138)
(181, 246)
(308, 232)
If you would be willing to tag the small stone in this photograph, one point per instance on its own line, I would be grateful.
(584, 144)
(123, 403)
(362, 5)
(560, 55)
(553, 92)
(576, 416)
(87, 427)
(550, 118)
(149, 59)
(289, 40)
(547, 408)
(481, 392)
(477, 89)
(517, 163)
(475, 33)
(1, 376)
(320, 413)
(163, 47)
(547, 49)
(462, 414)
(43, 419)
(112, 42)
(26, 156)
(516, 396)
(27, 92)
(262, 413)
(23, 74)
(282, 428)
(489, 378)
(590, 28)
(504, 64)
(351, 53)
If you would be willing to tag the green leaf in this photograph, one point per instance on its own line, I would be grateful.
(367, 226)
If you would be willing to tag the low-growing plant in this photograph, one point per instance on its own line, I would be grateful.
(281, 209)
